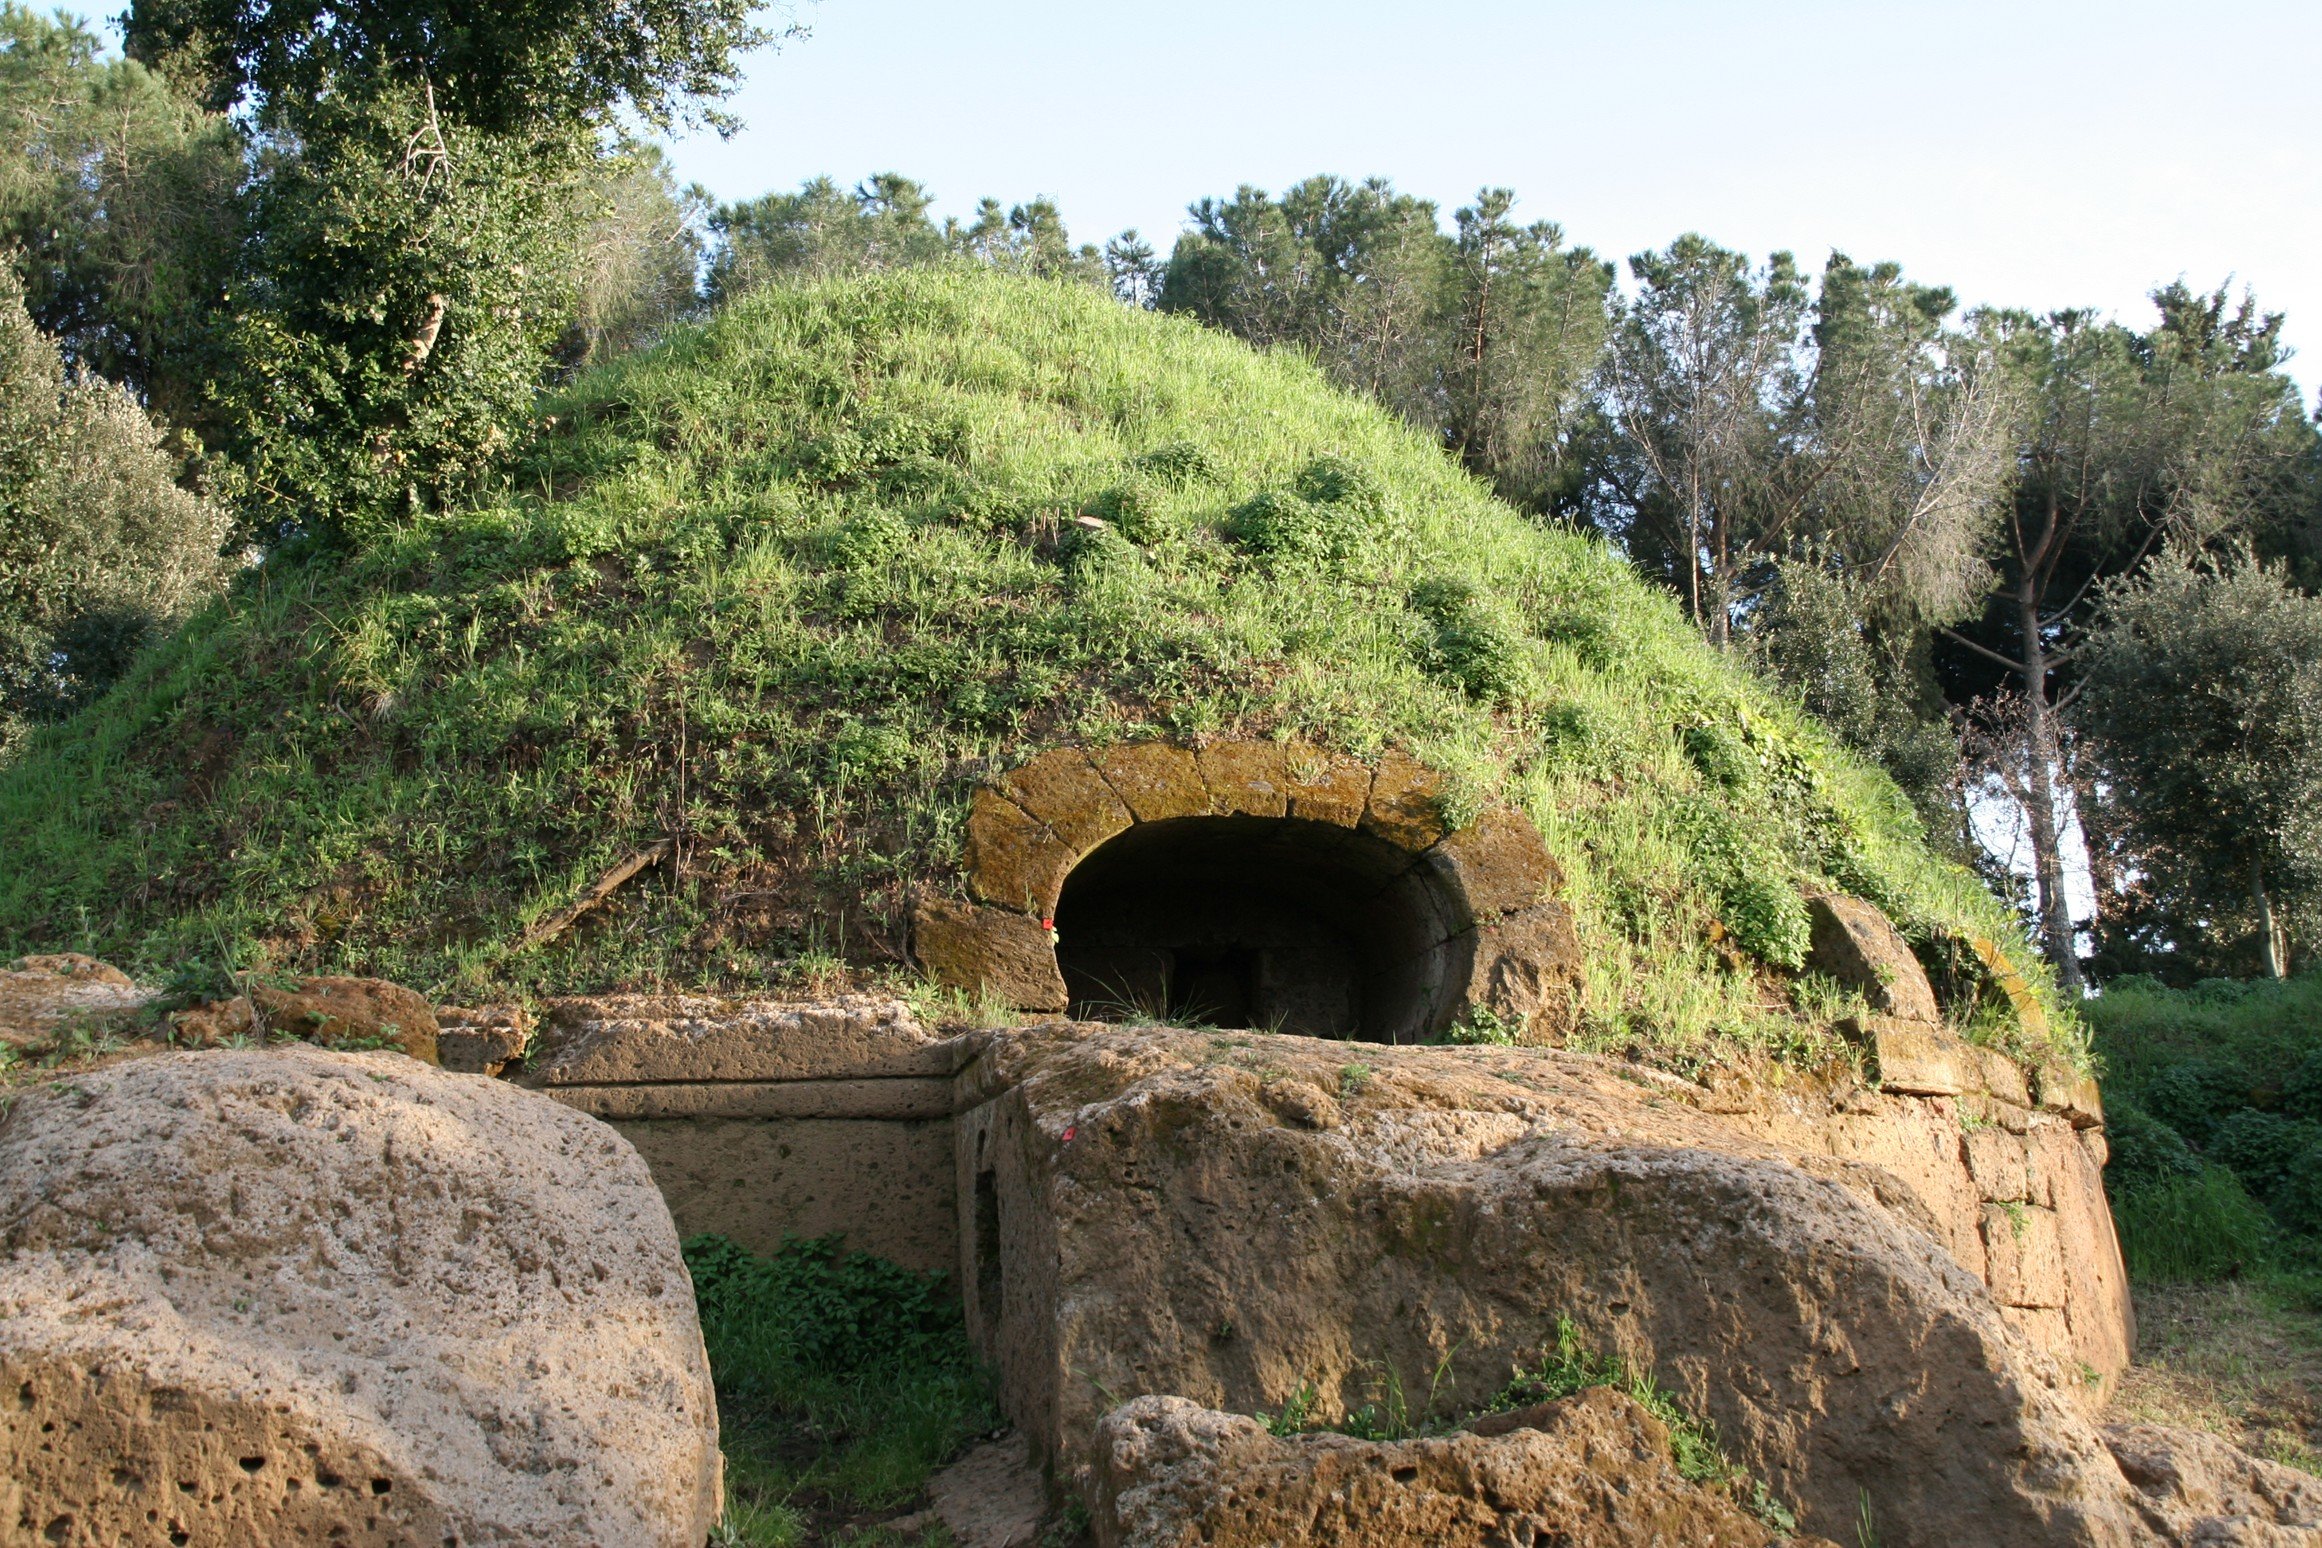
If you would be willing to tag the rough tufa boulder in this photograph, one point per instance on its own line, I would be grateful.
(368, 1012)
(1592, 1471)
(1231, 1218)
(290, 1296)
(45, 998)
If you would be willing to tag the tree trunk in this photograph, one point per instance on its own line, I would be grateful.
(2269, 927)
(2040, 791)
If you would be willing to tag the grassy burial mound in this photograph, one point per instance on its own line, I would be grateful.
(763, 605)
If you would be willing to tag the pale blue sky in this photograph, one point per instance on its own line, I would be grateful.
(2044, 153)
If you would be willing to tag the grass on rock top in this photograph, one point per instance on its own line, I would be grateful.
(787, 586)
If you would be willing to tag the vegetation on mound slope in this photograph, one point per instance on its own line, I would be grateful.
(785, 587)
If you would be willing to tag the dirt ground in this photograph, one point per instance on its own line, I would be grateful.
(2236, 1359)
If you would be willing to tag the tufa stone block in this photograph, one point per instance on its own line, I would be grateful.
(2024, 1256)
(1406, 803)
(1499, 861)
(1156, 780)
(1860, 947)
(1245, 778)
(1013, 858)
(348, 1010)
(992, 949)
(1063, 789)
(1325, 786)
(1914, 1058)
(1529, 964)
(2061, 1089)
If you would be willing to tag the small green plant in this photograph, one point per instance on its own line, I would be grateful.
(1484, 1025)
(1569, 1366)
(1353, 1077)
(1296, 1415)
(1866, 1524)
(2017, 1219)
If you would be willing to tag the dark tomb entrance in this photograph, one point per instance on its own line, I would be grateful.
(1271, 922)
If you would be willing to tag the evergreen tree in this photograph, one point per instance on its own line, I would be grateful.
(117, 193)
(2203, 697)
(99, 547)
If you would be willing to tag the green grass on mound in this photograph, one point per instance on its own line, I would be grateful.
(787, 586)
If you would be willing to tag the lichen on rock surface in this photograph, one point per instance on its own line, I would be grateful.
(287, 1295)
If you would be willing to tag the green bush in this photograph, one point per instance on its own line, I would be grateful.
(2145, 1151)
(843, 1381)
(1470, 642)
(2192, 1097)
(2262, 1148)
(2202, 1227)
(1768, 918)
(813, 1309)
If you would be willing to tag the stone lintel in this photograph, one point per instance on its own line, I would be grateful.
(630, 1042)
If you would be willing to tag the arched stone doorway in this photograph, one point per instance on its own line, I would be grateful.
(1252, 883)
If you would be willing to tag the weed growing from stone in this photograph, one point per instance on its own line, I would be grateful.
(1563, 1369)
(843, 1381)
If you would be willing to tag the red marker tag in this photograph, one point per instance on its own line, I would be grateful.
(1070, 1131)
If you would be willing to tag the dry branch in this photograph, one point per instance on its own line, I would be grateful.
(599, 890)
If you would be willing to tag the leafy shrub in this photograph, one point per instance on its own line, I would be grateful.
(1471, 642)
(1485, 1026)
(2193, 1095)
(2262, 1147)
(99, 547)
(2302, 1088)
(2201, 1227)
(1133, 506)
(1719, 753)
(809, 1308)
(1768, 918)
(2297, 1199)
(1278, 523)
(2145, 1151)
(1349, 486)
(1179, 464)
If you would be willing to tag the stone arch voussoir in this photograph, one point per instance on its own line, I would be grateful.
(1511, 943)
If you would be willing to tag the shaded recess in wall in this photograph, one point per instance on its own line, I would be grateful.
(1240, 921)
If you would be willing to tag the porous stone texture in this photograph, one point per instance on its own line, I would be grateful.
(996, 950)
(481, 1040)
(290, 1295)
(343, 1010)
(1593, 1471)
(1229, 1219)
(46, 997)
(2197, 1490)
(1528, 966)
(1857, 945)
